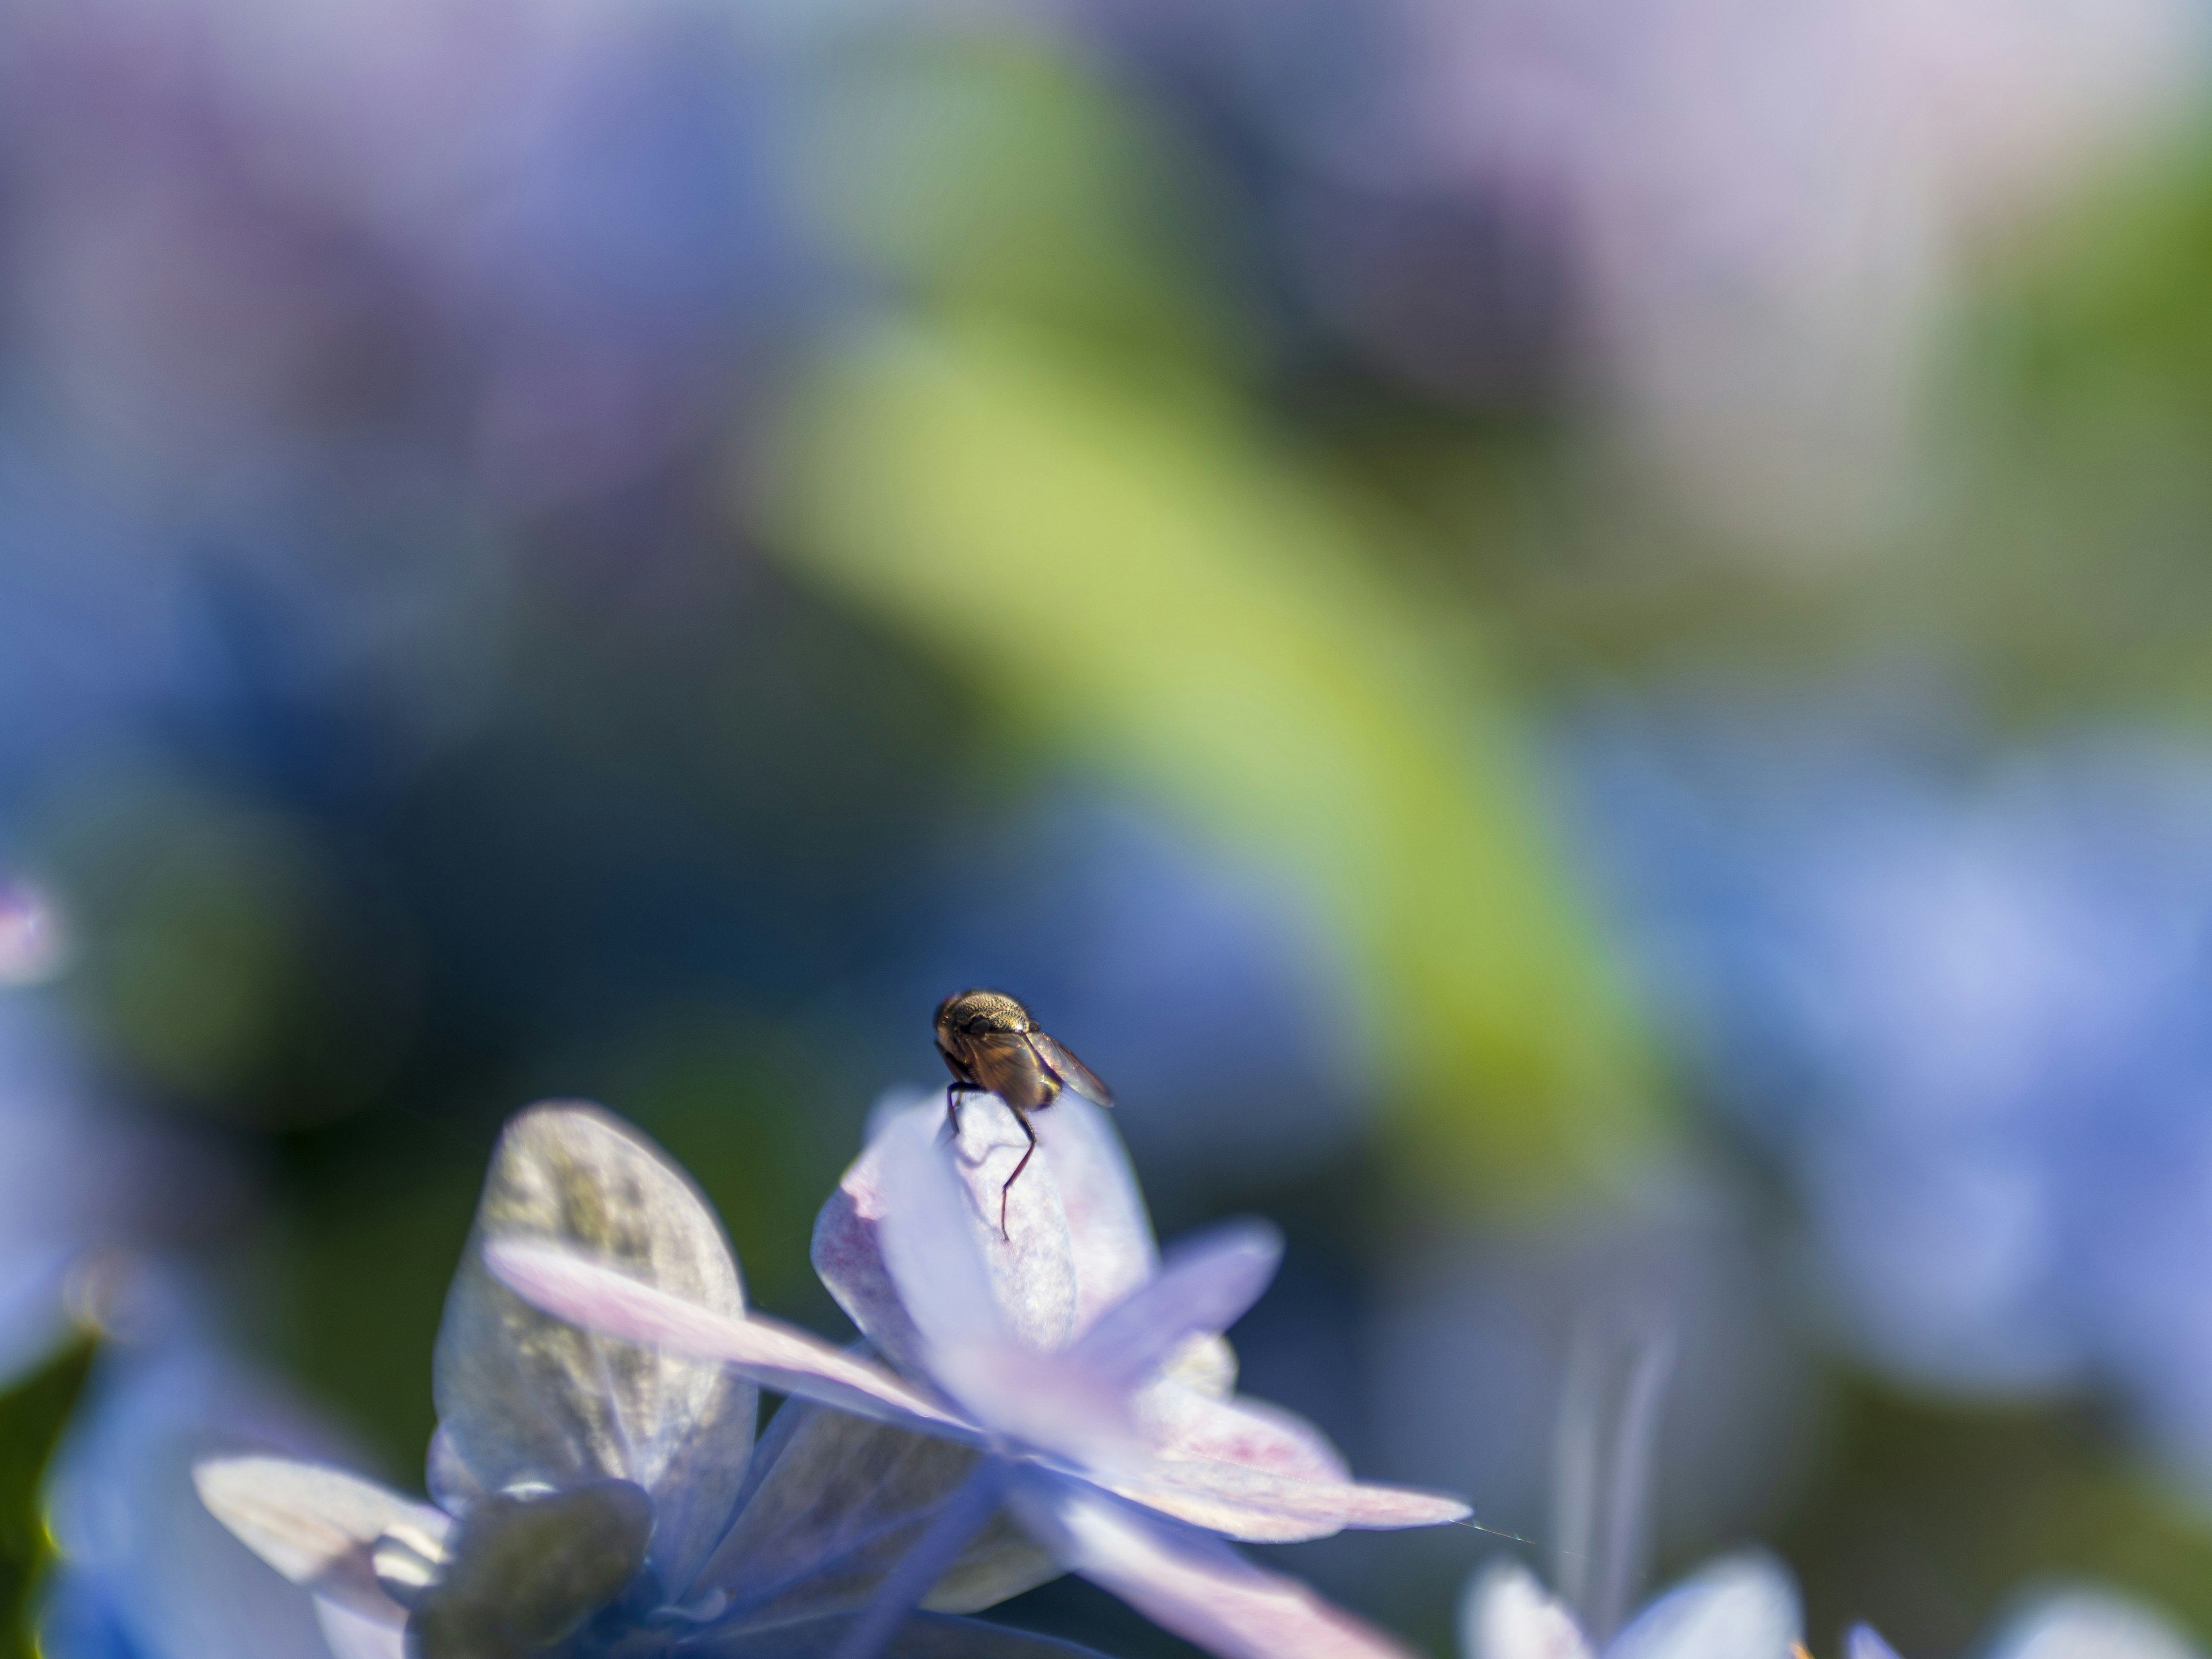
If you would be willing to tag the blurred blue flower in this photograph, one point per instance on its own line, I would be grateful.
(1962, 1003)
(593, 1497)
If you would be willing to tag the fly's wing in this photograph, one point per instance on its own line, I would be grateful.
(1004, 1063)
(1055, 1059)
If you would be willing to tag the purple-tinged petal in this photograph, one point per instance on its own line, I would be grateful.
(1743, 1606)
(835, 1503)
(525, 1398)
(1190, 1583)
(596, 1297)
(1106, 1226)
(2087, 1624)
(1865, 1644)
(1258, 1507)
(355, 1636)
(924, 1636)
(847, 1250)
(1178, 1421)
(1204, 1286)
(1505, 1613)
(317, 1525)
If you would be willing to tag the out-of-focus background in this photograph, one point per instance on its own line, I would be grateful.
(1570, 639)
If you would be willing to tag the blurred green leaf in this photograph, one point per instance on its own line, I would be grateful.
(1135, 580)
(984, 170)
(33, 1415)
(2071, 552)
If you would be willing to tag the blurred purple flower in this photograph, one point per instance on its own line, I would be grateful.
(1743, 1607)
(1731, 232)
(590, 1495)
(80, 1185)
(142, 1570)
(1091, 1372)
(2078, 1623)
(1966, 1012)
(1766, 208)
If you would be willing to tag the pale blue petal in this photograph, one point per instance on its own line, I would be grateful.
(1743, 1606)
(1204, 1286)
(1865, 1643)
(584, 1292)
(1106, 1226)
(1506, 1613)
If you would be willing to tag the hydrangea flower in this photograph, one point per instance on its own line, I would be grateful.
(590, 1496)
(2077, 1623)
(1087, 1370)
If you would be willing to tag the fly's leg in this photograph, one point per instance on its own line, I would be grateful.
(952, 1092)
(1022, 1119)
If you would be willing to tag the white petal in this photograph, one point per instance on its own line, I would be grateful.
(1743, 1606)
(355, 1636)
(1204, 1286)
(314, 1524)
(1192, 1584)
(2090, 1625)
(1865, 1644)
(589, 1294)
(1259, 1507)
(1106, 1226)
(1505, 1613)
(523, 1397)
